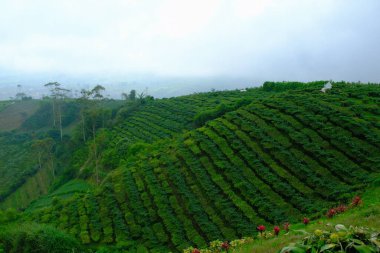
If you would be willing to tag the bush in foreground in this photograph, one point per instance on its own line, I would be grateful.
(340, 239)
(36, 238)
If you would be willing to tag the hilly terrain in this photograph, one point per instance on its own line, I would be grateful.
(162, 175)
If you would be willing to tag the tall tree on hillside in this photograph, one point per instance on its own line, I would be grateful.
(58, 95)
(95, 113)
(96, 92)
(124, 96)
(89, 101)
(132, 95)
(84, 101)
(43, 148)
(61, 95)
(20, 96)
(143, 96)
(92, 117)
(53, 86)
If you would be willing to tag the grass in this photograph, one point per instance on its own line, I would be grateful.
(367, 215)
(33, 188)
(65, 191)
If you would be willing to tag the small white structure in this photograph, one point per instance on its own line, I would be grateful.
(243, 90)
(327, 86)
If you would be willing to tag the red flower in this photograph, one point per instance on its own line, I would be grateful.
(341, 209)
(225, 246)
(276, 230)
(306, 221)
(196, 251)
(356, 201)
(331, 212)
(286, 227)
(261, 228)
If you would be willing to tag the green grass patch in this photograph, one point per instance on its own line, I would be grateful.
(65, 191)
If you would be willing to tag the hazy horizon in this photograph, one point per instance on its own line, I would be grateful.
(178, 47)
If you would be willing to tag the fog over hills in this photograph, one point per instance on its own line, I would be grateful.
(157, 86)
(178, 47)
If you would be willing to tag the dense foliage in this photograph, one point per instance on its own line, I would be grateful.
(166, 118)
(36, 238)
(16, 162)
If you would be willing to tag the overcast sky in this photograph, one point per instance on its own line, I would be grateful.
(256, 39)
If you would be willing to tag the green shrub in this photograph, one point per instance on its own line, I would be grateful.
(36, 238)
(202, 117)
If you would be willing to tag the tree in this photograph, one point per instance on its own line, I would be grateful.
(96, 92)
(143, 97)
(124, 96)
(94, 114)
(96, 146)
(58, 95)
(61, 95)
(132, 95)
(92, 118)
(52, 86)
(84, 101)
(44, 151)
(20, 96)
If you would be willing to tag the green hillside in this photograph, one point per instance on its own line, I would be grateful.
(26, 173)
(366, 216)
(4, 104)
(13, 114)
(16, 162)
(213, 166)
(165, 118)
(29, 170)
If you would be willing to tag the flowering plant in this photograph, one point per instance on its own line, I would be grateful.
(336, 210)
(261, 228)
(356, 201)
(276, 230)
(340, 239)
(287, 227)
(218, 246)
(225, 246)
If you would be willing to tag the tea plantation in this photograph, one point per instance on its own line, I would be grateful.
(213, 166)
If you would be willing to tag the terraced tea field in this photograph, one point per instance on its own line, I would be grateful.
(285, 154)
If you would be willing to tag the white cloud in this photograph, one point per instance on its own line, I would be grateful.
(265, 39)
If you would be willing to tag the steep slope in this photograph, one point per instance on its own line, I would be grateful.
(13, 114)
(16, 162)
(166, 118)
(276, 159)
(23, 179)
(4, 104)
(26, 174)
(155, 120)
(367, 216)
